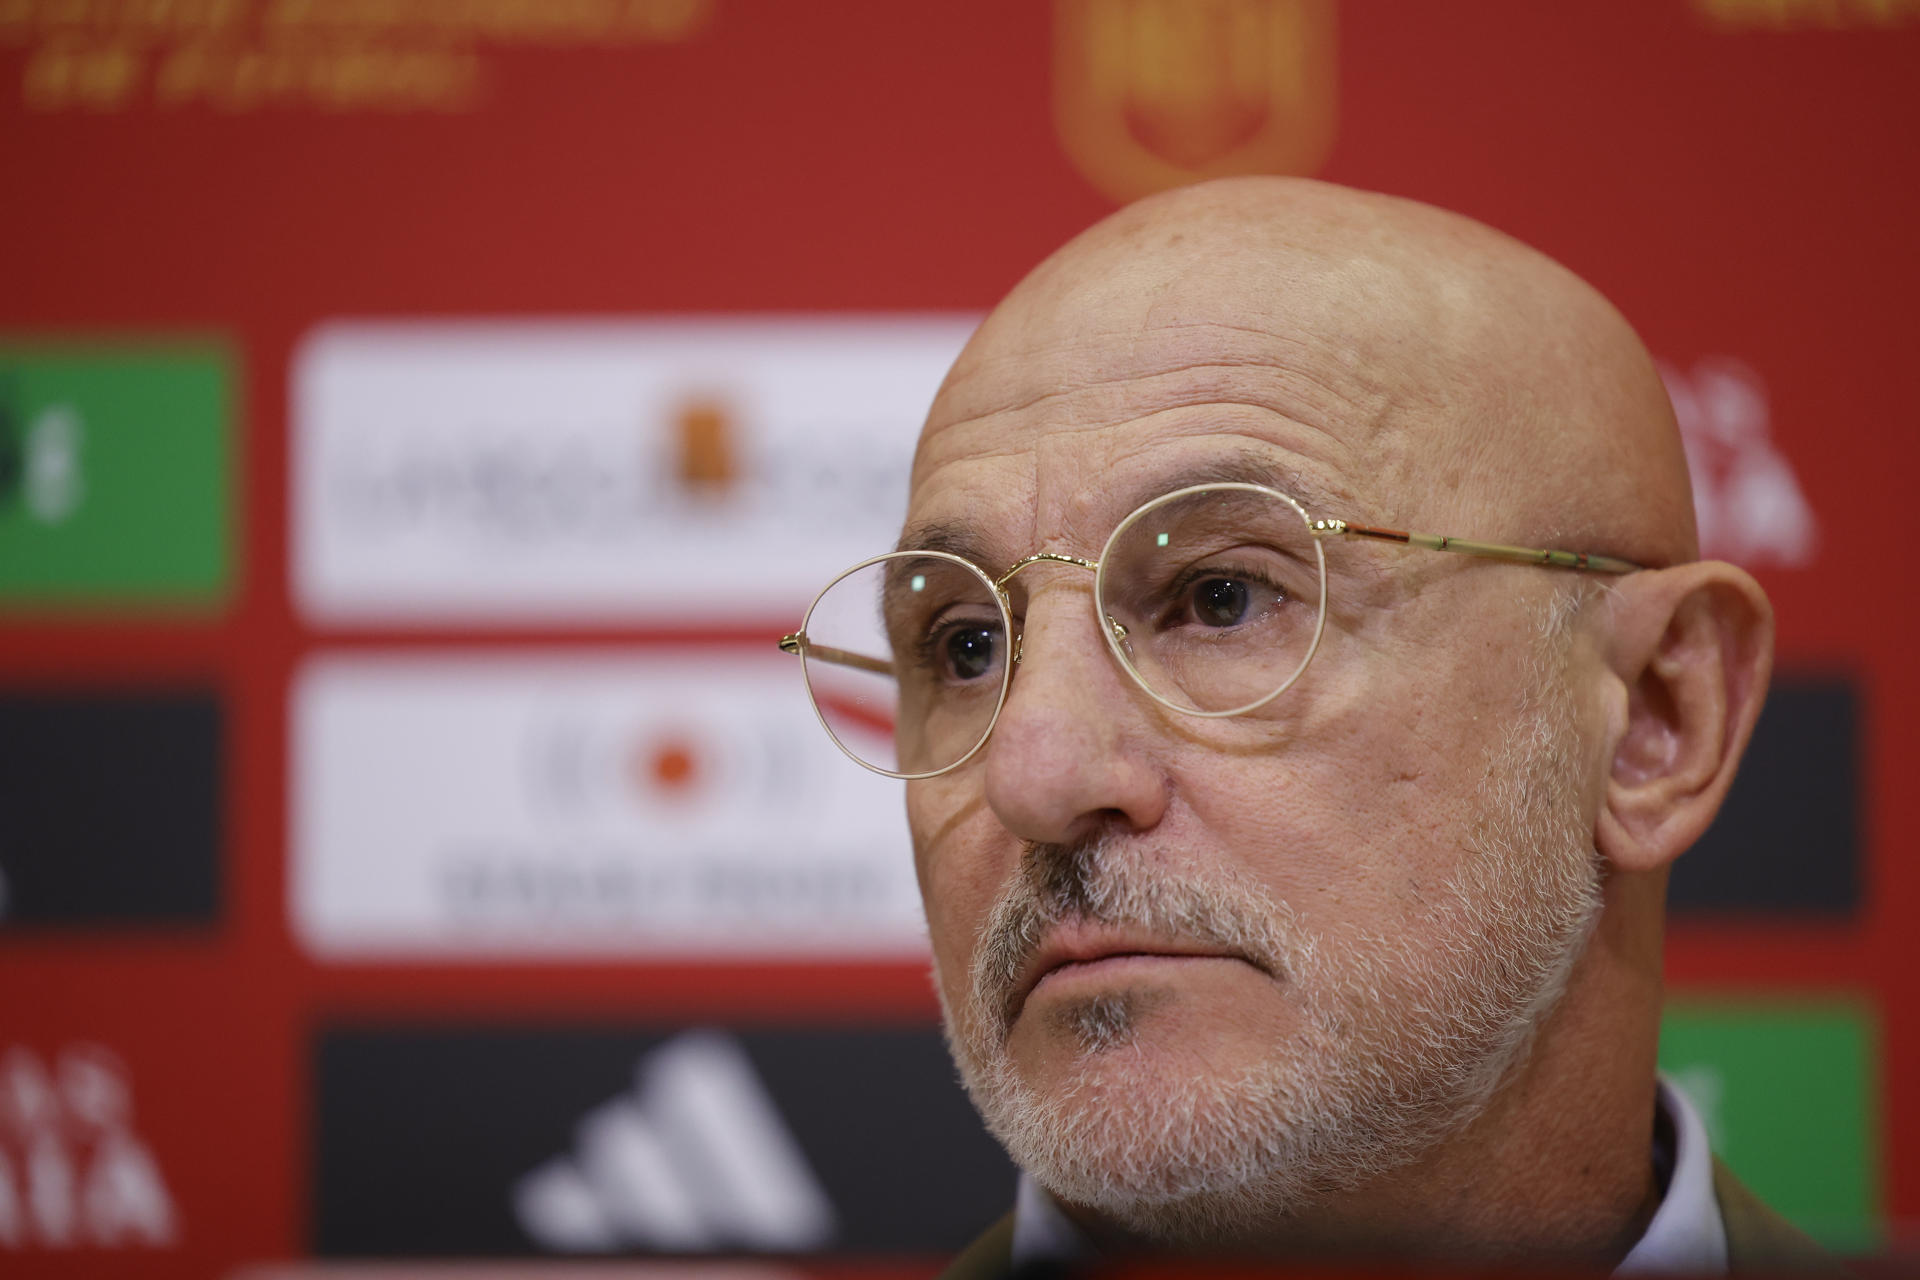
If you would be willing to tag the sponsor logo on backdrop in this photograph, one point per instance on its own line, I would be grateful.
(686, 473)
(113, 474)
(487, 1141)
(111, 805)
(40, 461)
(236, 56)
(1746, 495)
(1150, 94)
(1788, 1096)
(675, 804)
(74, 1172)
(694, 1157)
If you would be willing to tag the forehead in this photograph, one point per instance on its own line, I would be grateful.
(996, 509)
(1040, 438)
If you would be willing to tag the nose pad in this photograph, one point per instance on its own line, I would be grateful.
(1046, 557)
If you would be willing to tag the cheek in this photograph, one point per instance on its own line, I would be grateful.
(1361, 800)
(962, 858)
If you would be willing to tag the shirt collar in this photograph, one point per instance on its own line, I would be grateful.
(1685, 1234)
(1042, 1232)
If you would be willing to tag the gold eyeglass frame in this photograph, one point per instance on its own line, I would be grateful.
(1116, 634)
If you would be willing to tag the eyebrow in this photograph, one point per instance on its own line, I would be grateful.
(1244, 466)
(955, 537)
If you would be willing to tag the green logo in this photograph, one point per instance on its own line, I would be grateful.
(1788, 1093)
(115, 476)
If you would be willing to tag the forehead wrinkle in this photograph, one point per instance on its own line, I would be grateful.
(984, 385)
(1246, 460)
(1240, 466)
(1317, 482)
(1341, 424)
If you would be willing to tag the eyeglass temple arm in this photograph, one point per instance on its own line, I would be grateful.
(798, 643)
(1485, 550)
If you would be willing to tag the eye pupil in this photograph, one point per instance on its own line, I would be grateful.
(1220, 602)
(970, 650)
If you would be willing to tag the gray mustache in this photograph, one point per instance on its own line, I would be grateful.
(1107, 881)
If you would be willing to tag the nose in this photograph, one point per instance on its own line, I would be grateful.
(1074, 749)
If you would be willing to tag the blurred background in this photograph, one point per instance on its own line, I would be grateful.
(418, 417)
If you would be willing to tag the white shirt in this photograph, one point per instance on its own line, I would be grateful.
(1685, 1235)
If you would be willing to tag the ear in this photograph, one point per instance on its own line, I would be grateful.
(1693, 646)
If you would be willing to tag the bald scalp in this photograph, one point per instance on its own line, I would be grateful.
(1465, 383)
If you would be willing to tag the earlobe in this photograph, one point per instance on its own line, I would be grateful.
(1693, 646)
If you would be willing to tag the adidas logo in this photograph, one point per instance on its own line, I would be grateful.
(73, 1173)
(695, 1158)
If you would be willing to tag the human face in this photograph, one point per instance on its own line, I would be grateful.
(1336, 917)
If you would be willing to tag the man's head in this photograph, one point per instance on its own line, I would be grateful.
(1211, 978)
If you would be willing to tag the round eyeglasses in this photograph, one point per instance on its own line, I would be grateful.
(1212, 598)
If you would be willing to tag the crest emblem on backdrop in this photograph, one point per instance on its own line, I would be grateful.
(1151, 94)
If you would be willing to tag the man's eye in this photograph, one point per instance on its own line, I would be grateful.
(1218, 601)
(960, 652)
(968, 652)
(1221, 602)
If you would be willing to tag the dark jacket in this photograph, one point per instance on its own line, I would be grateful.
(1758, 1240)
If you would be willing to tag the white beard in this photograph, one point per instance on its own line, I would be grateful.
(1401, 1041)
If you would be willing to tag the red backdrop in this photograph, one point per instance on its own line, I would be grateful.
(1739, 177)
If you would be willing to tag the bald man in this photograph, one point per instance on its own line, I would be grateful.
(1295, 882)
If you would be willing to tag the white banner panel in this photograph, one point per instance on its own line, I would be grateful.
(681, 472)
(679, 804)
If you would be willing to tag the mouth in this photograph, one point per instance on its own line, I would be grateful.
(1070, 950)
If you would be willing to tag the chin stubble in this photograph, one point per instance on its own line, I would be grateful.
(1102, 1023)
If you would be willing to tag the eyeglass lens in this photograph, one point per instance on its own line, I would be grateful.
(906, 659)
(1216, 594)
